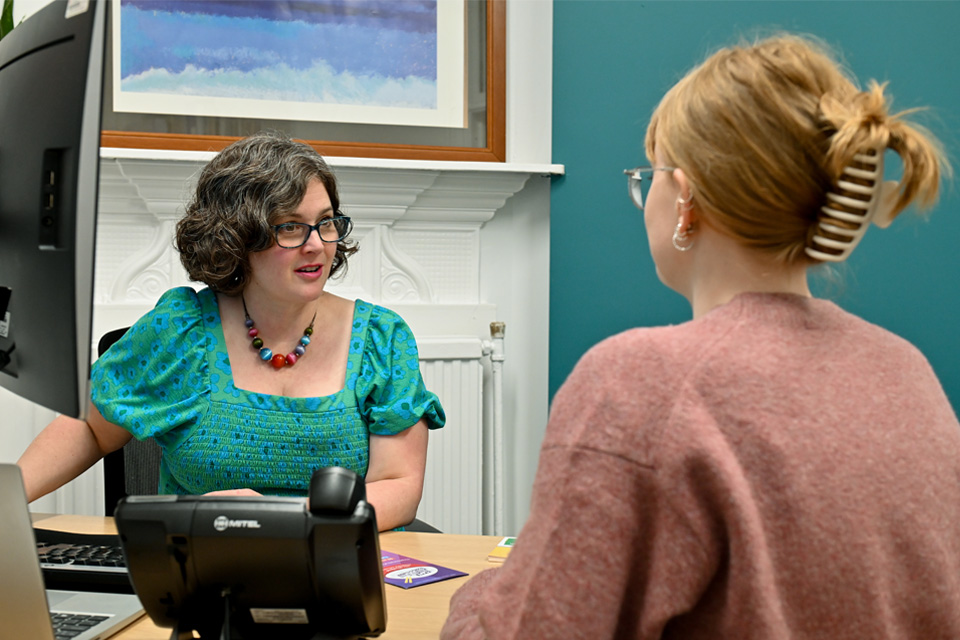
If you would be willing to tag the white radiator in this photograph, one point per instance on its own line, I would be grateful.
(453, 488)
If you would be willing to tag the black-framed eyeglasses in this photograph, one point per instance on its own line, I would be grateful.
(639, 180)
(291, 235)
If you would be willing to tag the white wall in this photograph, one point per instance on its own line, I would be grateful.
(529, 139)
(25, 8)
(514, 254)
(516, 258)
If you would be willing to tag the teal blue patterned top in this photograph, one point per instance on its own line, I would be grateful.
(169, 378)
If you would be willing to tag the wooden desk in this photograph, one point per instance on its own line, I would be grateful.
(412, 614)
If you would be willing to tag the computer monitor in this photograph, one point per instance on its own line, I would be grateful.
(259, 567)
(51, 70)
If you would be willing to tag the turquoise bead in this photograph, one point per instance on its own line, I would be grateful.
(305, 340)
(265, 354)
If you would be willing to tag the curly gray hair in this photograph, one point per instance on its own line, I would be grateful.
(239, 195)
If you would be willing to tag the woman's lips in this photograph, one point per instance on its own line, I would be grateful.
(310, 271)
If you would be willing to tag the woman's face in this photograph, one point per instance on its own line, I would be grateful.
(298, 274)
(660, 220)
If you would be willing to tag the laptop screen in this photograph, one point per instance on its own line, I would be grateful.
(25, 611)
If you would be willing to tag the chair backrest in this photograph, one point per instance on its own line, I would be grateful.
(134, 469)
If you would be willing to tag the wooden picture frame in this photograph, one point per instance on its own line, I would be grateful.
(493, 151)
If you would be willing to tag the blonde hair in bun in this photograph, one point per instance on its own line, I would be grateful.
(765, 130)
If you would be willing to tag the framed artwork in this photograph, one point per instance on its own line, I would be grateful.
(417, 79)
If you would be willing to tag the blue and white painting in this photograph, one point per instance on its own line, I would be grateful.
(395, 62)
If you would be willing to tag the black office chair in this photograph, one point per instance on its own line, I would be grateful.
(134, 470)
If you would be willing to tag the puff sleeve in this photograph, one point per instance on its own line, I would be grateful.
(390, 390)
(154, 379)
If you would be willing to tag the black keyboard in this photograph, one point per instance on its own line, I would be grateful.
(82, 561)
(70, 625)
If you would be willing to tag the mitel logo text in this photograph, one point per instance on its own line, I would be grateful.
(222, 523)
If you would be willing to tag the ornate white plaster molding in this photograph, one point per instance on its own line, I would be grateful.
(418, 229)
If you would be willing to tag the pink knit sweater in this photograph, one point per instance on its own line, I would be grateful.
(776, 469)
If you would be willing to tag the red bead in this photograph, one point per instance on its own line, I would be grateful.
(253, 332)
(278, 361)
(291, 359)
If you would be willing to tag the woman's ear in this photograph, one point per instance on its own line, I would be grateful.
(680, 176)
(686, 207)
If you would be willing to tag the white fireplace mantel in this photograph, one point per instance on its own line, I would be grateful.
(418, 224)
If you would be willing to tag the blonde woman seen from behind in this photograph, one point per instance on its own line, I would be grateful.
(776, 467)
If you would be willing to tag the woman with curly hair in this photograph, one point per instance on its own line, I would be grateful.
(253, 382)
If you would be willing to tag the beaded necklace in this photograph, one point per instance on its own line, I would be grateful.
(278, 360)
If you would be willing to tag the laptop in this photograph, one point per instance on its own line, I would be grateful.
(27, 609)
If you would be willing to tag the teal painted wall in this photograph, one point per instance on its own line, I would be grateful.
(614, 60)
